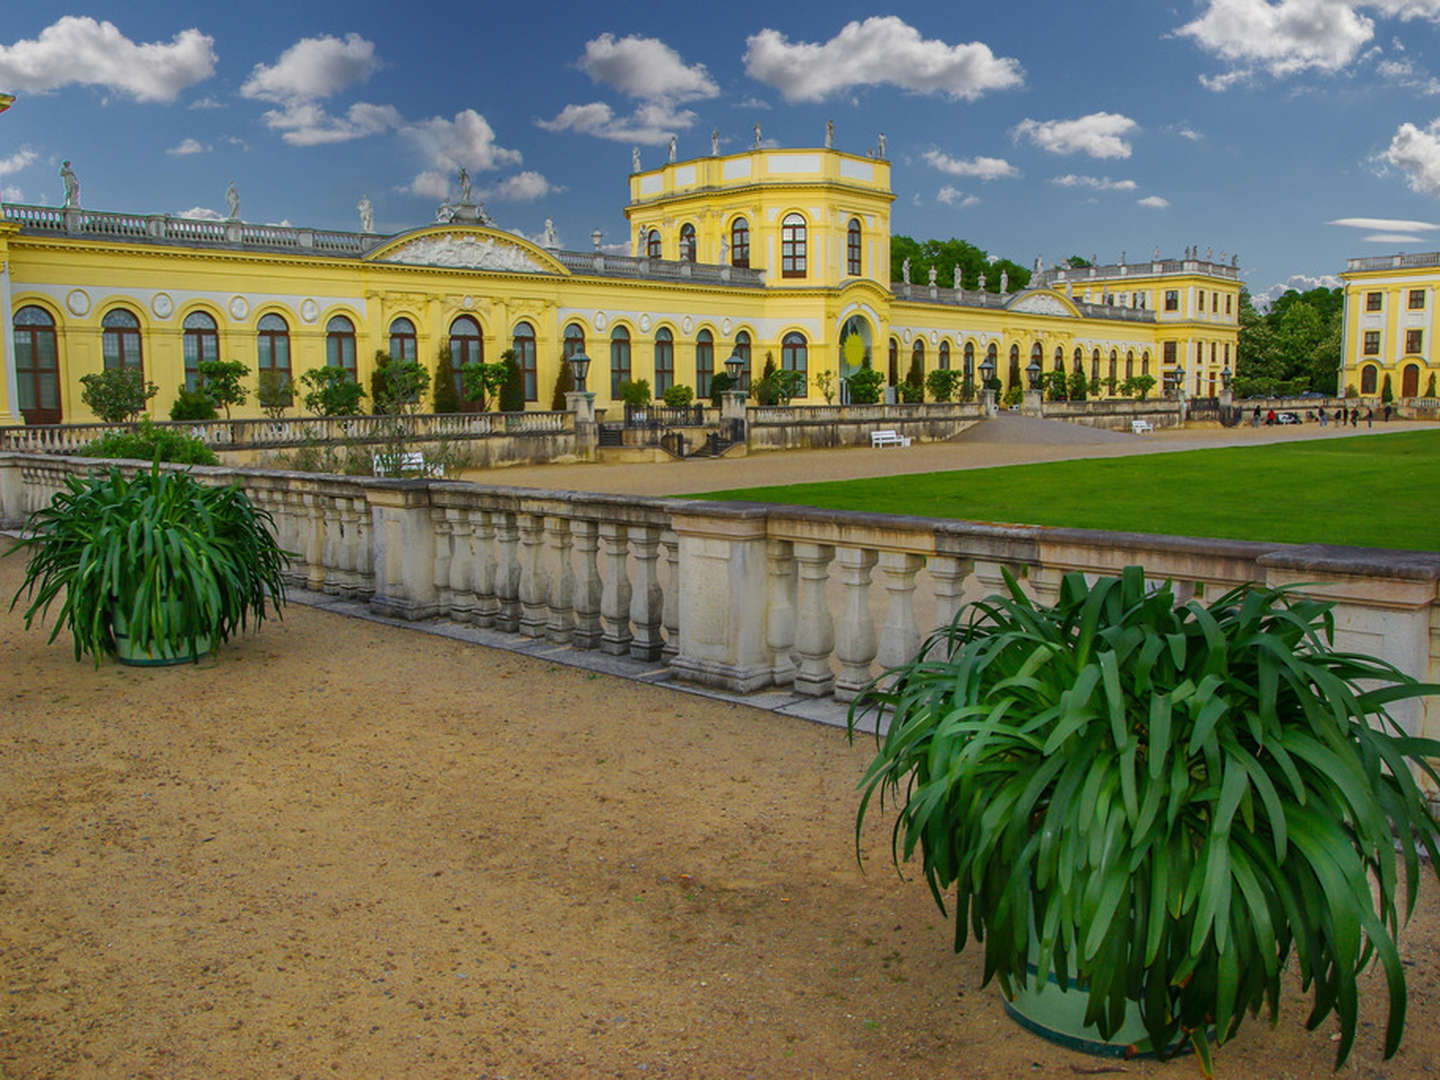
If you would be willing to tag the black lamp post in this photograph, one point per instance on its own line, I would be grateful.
(1179, 379)
(1032, 372)
(1225, 377)
(579, 367)
(987, 372)
(734, 365)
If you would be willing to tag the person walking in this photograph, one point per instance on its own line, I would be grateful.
(1370, 417)
(1355, 417)
(1324, 418)
(1388, 411)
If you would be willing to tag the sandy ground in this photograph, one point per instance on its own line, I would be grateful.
(341, 849)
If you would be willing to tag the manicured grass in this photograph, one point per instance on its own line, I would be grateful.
(1368, 491)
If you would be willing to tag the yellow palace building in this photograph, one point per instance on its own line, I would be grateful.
(767, 253)
(1391, 304)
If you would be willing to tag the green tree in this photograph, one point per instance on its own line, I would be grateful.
(912, 390)
(944, 256)
(116, 395)
(718, 385)
(329, 391)
(481, 383)
(865, 386)
(678, 396)
(192, 405)
(635, 393)
(1143, 385)
(447, 394)
(1057, 385)
(275, 393)
(1324, 373)
(512, 391)
(398, 386)
(564, 384)
(1387, 394)
(941, 383)
(221, 381)
(1078, 386)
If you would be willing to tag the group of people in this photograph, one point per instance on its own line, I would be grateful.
(1342, 416)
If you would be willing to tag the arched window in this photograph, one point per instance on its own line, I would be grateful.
(1129, 363)
(120, 341)
(574, 340)
(1145, 362)
(740, 243)
(969, 368)
(652, 244)
(1095, 365)
(340, 345)
(37, 366)
(992, 354)
(1017, 377)
(687, 242)
(704, 364)
(200, 343)
(1367, 379)
(917, 359)
(619, 360)
(664, 361)
(742, 350)
(467, 346)
(1077, 362)
(1059, 359)
(894, 362)
(852, 248)
(402, 340)
(1114, 360)
(524, 346)
(273, 347)
(944, 360)
(792, 246)
(793, 357)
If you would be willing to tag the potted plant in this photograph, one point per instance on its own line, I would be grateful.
(152, 569)
(1160, 805)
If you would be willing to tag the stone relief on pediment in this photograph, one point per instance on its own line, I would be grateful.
(1042, 304)
(466, 252)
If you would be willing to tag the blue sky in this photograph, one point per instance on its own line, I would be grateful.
(1249, 126)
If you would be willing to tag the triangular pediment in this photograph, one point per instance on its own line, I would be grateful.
(1043, 302)
(473, 248)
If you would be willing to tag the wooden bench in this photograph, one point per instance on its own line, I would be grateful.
(888, 438)
(412, 461)
(1141, 427)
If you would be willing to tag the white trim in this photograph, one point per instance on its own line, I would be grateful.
(12, 378)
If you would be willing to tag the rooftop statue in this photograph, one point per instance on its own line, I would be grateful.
(367, 214)
(464, 186)
(232, 202)
(829, 134)
(672, 147)
(72, 186)
(635, 159)
(905, 271)
(881, 141)
(714, 142)
(550, 240)
(757, 135)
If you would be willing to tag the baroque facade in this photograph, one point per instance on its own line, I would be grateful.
(1390, 325)
(770, 254)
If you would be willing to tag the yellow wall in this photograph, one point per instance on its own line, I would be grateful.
(1392, 322)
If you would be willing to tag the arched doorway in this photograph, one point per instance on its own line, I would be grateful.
(856, 341)
(1410, 381)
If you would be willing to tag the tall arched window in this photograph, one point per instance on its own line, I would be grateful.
(120, 341)
(894, 362)
(1114, 361)
(852, 248)
(1017, 377)
(652, 244)
(1145, 362)
(1129, 363)
(200, 343)
(340, 345)
(740, 243)
(1059, 359)
(742, 350)
(1077, 362)
(402, 340)
(467, 346)
(664, 361)
(969, 368)
(619, 360)
(1367, 379)
(687, 242)
(792, 246)
(944, 360)
(574, 340)
(524, 346)
(37, 366)
(794, 357)
(273, 348)
(917, 360)
(992, 354)
(704, 364)
(1095, 365)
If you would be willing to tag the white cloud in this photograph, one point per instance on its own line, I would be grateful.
(1298, 282)
(881, 51)
(524, 186)
(313, 68)
(10, 193)
(78, 50)
(1153, 202)
(21, 159)
(1100, 135)
(1392, 238)
(304, 123)
(651, 124)
(645, 68)
(981, 168)
(1186, 132)
(207, 103)
(622, 248)
(428, 185)
(1408, 9)
(467, 140)
(235, 140)
(754, 103)
(1416, 154)
(952, 196)
(1279, 38)
(201, 213)
(1096, 182)
(186, 147)
(1404, 74)
(1384, 224)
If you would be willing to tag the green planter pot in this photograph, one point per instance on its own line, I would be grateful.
(160, 654)
(1057, 1013)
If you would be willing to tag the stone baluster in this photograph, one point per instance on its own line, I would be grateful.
(534, 582)
(333, 545)
(615, 599)
(1184, 591)
(780, 609)
(814, 628)
(346, 549)
(1044, 584)
(487, 604)
(900, 636)
(646, 599)
(441, 527)
(364, 549)
(991, 576)
(299, 537)
(949, 574)
(855, 645)
(561, 624)
(314, 543)
(507, 571)
(588, 588)
(670, 545)
(462, 563)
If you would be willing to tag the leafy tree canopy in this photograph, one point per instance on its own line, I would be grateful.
(945, 255)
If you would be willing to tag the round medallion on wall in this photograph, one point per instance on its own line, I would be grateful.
(162, 305)
(467, 302)
(644, 323)
(78, 301)
(598, 321)
(309, 310)
(239, 307)
(725, 327)
(906, 337)
(686, 324)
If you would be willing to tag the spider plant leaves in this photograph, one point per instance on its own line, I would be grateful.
(1169, 803)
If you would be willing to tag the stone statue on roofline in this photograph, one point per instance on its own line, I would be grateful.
(905, 271)
(757, 135)
(829, 134)
(881, 141)
(958, 277)
(232, 202)
(714, 142)
(1004, 282)
(635, 159)
(550, 239)
(72, 186)
(464, 186)
(672, 147)
(982, 280)
(367, 214)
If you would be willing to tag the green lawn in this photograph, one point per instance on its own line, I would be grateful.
(1369, 491)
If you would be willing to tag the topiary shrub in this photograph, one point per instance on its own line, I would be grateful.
(150, 443)
(564, 384)
(447, 395)
(1387, 394)
(192, 405)
(512, 394)
(635, 393)
(865, 386)
(677, 397)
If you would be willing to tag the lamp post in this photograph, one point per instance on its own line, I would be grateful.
(732, 400)
(579, 368)
(1034, 396)
(987, 395)
(1227, 396)
(581, 403)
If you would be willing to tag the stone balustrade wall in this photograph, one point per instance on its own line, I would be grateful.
(745, 597)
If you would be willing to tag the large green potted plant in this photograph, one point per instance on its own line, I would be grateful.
(1159, 805)
(156, 568)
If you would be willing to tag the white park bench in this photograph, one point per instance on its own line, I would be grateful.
(412, 461)
(1141, 427)
(888, 438)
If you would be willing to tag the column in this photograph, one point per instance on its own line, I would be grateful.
(780, 610)
(646, 599)
(486, 605)
(670, 545)
(855, 646)
(588, 586)
(814, 629)
(615, 599)
(561, 624)
(11, 416)
(900, 636)
(534, 583)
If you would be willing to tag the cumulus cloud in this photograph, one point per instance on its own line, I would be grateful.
(305, 123)
(429, 184)
(881, 51)
(651, 124)
(981, 168)
(754, 103)
(1404, 74)
(1383, 224)
(1100, 135)
(524, 186)
(1409, 9)
(1186, 132)
(206, 103)
(952, 196)
(186, 147)
(201, 213)
(78, 50)
(1153, 202)
(467, 140)
(645, 68)
(10, 193)
(1099, 183)
(313, 68)
(1415, 153)
(1298, 282)
(21, 159)
(1280, 38)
